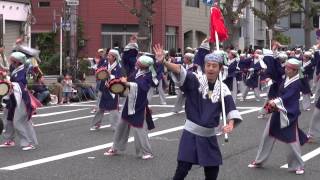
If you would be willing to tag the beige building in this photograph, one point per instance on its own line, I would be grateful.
(195, 22)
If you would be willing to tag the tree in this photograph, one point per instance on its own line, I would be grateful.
(144, 13)
(275, 10)
(232, 16)
(309, 9)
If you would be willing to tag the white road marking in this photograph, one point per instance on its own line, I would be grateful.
(56, 113)
(62, 121)
(307, 156)
(91, 149)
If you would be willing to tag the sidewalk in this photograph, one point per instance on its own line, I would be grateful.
(51, 79)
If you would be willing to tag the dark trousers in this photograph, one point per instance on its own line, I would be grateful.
(211, 172)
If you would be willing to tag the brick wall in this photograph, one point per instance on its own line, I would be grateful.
(94, 13)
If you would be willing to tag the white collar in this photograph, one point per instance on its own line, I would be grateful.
(291, 80)
(16, 70)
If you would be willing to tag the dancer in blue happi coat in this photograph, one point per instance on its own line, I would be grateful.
(308, 71)
(283, 123)
(253, 76)
(231, 80)
(198, 144)
(134, 113)
(18, 109)
(108, 101)
(190, 67)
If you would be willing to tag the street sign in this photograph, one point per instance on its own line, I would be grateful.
(208, 2)
(72, 2)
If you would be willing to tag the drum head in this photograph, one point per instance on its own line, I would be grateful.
(4, 89)
(117, 88)
(102, 75)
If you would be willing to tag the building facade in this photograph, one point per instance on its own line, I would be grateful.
(15, 22)
(195, 22)
(107, 23)
(295, 25)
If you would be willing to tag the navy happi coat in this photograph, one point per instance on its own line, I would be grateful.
(284, 123)
(203, 111)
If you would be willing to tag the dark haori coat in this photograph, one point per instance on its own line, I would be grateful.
(102, 63)
(109, 101)
(244, 65)
(199, 57)
(308, 71)
(18, 75)
(232, 72)
(284, 122)
(252, 80)
(318, 103)
(317, 61)
(129, 59)
(203, 110)
(275, 72)
(134, 109)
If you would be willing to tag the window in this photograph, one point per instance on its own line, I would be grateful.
(192, 3)
(117, 35)
(295, 20)
(44, 4)
(171, 37)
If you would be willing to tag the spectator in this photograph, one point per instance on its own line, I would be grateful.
(57, 89)
(67, 88)
(40, 90)
(85, 89)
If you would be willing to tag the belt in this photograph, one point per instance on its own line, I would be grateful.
(199, 130)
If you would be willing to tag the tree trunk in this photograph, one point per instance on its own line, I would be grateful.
(307, 25)
(233, 32)
(145, 21)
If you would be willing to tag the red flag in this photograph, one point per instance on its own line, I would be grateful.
(217, 24)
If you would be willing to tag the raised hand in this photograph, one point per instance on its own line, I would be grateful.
(159, 53)
(133, 38)
(206, 40)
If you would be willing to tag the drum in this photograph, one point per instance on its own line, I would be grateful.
(116, 86)
(5, 87)
(269, 109)
(102, 73)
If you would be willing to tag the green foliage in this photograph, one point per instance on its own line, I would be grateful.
(49, 59)
(281, 38)
(84, 65)
(80, 34)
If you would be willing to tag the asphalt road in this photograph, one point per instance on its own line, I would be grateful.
(69, 151)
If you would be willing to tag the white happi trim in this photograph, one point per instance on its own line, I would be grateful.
(204, 88)
(262, 64)
(141, 72)
(112, 66)
(284, 120)
(234, 114)
(289, 81)
(179, 78)
(15, 71)
(132, 97)
(199, 130)
(131, 46)
(305, 64)
(225, 72)
(17, 93)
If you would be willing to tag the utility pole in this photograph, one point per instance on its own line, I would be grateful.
(72, 6)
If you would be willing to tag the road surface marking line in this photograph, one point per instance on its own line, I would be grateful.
(91, 149)
(56, 113)
(307, 156)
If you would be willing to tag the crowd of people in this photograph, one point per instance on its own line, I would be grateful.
(207, 79)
